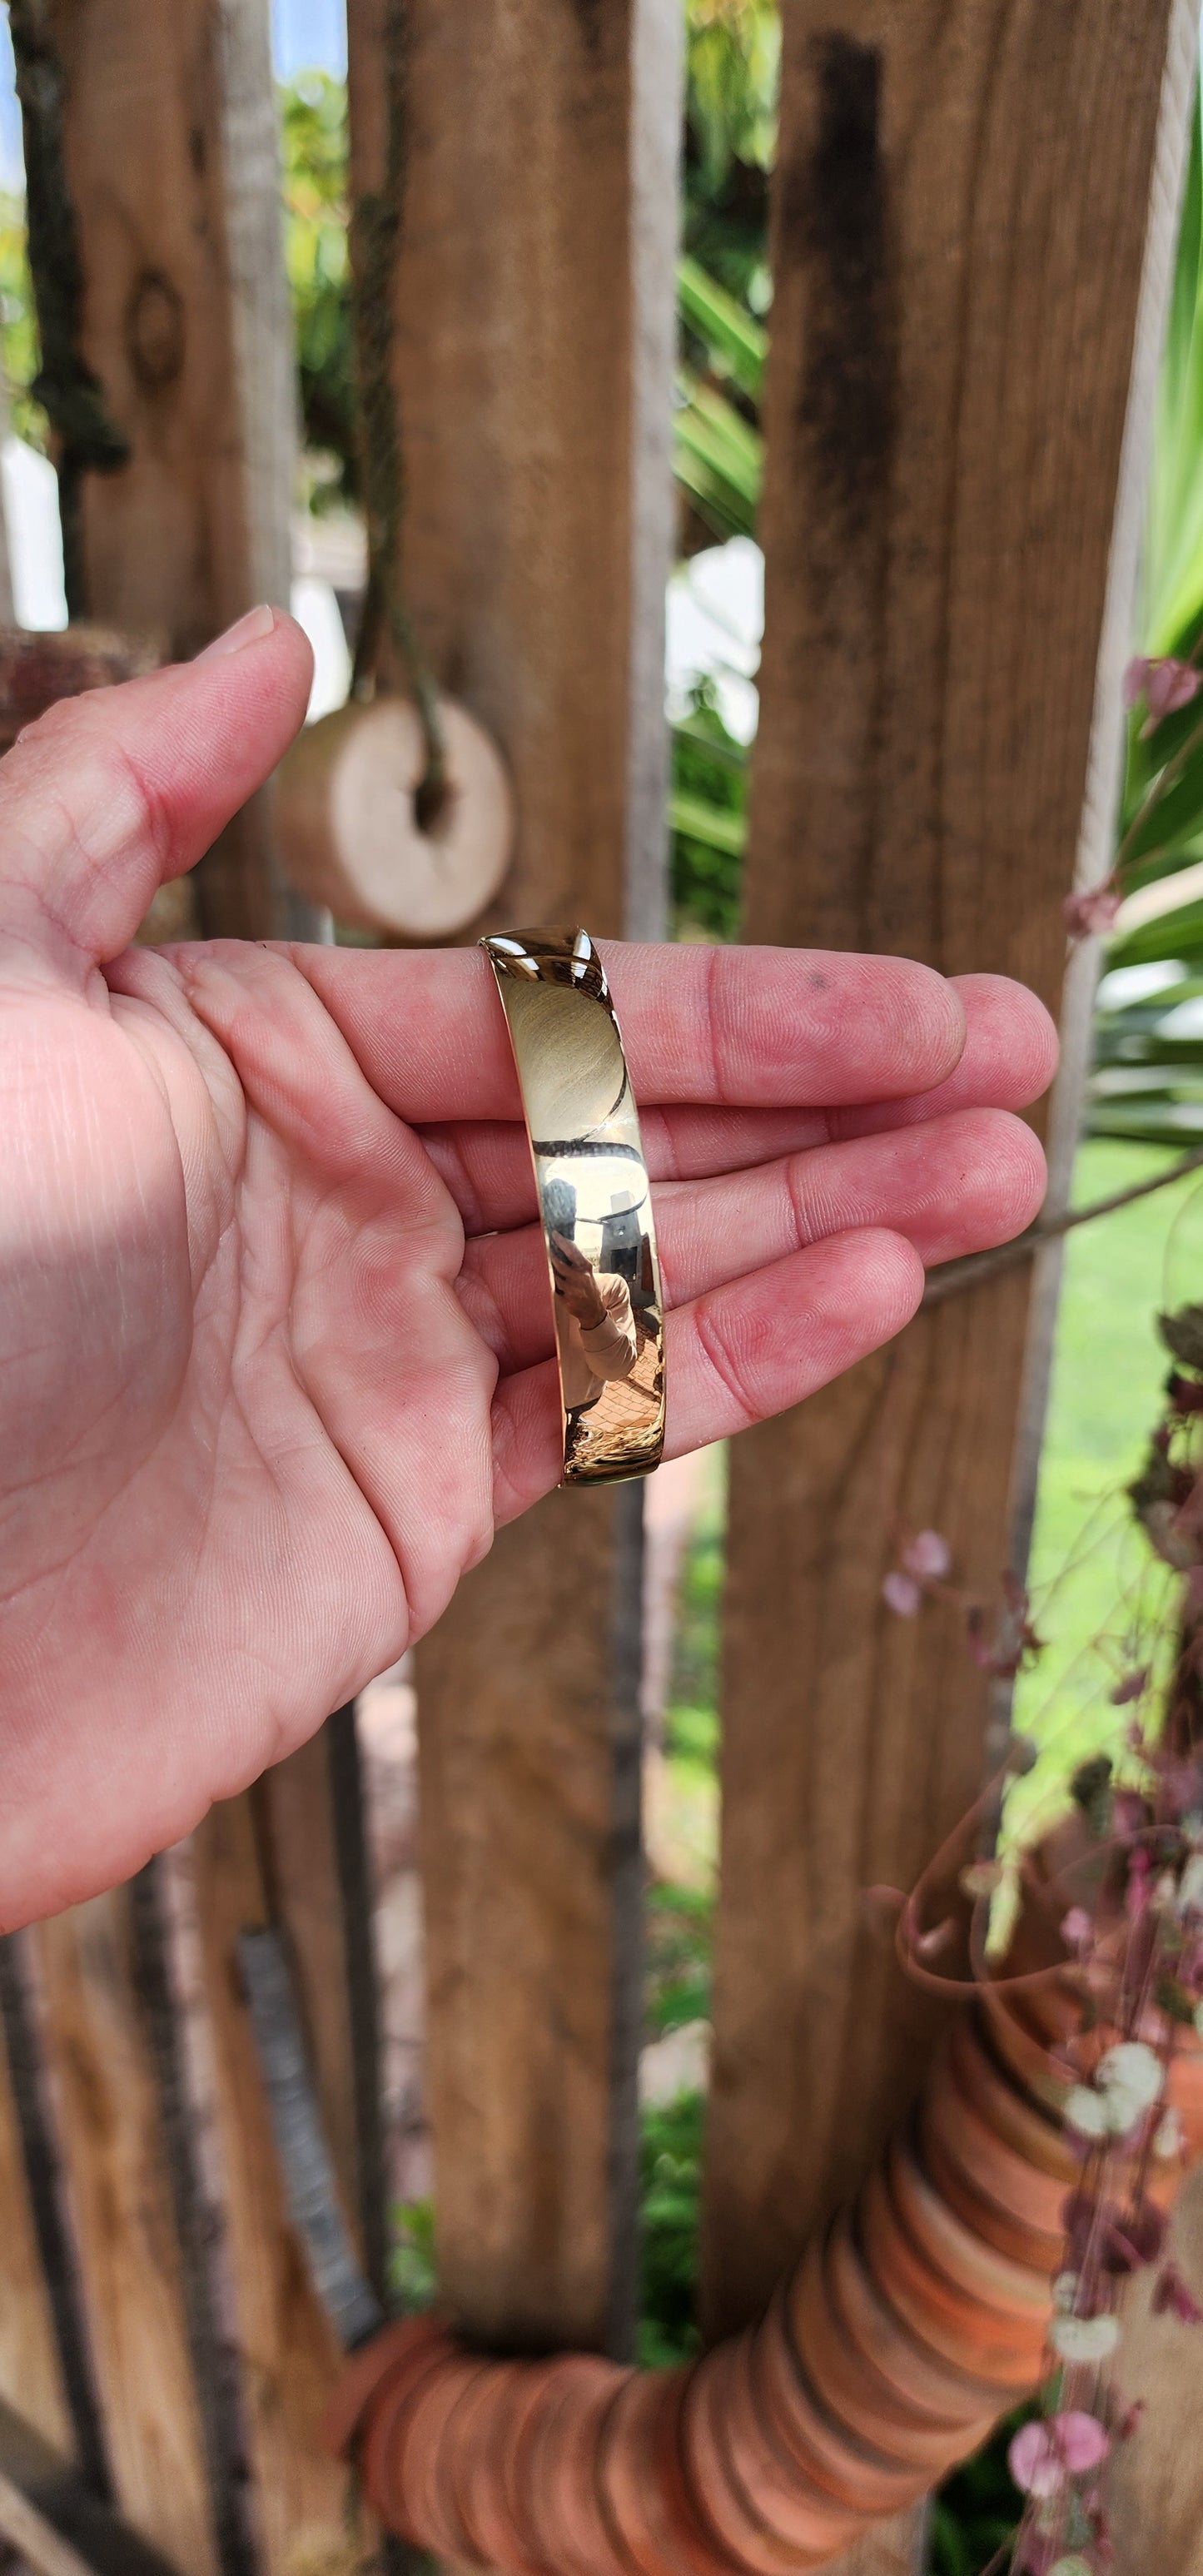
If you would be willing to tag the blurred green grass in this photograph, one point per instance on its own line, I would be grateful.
(1093, 1582)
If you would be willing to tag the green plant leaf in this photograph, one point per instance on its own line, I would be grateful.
(736, 343)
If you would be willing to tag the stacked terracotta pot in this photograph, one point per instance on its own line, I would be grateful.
(904, 2332)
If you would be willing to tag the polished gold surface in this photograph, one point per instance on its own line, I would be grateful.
(594, 1201)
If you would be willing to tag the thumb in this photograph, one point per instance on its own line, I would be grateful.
(109, 794)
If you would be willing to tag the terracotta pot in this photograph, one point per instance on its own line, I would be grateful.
(639, 2483)
(880, 2363)
(1035, 2248)
(554, 2485)
(974, 2268)
(723, 2460)
(477, 2491)
(856, 2392)
(384, 2433)
(797, 2505)
(364, 2376)
(1016, 2116)
(884, 2339)
(483, 2474)
(812, 2437)
(1185, 2090)
(416, 2483)
(948, 2321)
(1023, 2048)
(996, 2169)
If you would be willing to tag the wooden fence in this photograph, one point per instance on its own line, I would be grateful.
(974, 210)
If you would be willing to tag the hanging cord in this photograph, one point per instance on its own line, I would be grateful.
(376, 228)
(71, 394)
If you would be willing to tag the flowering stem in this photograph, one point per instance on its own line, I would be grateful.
(952, 1276)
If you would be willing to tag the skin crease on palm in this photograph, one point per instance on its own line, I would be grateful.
(275, 1335)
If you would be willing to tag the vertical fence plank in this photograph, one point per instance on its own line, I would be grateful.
(959, 232)
(124, 2237)
(172, 158)
(299, 1853)
(172, 164)
(31, 2378)
(288, 2352)
(534, 320)
(1155, 2481)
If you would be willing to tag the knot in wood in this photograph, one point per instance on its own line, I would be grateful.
(155, 330)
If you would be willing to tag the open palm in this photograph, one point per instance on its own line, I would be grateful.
(275, 1334)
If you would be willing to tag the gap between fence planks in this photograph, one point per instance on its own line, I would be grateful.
(533, 370)
(958, 238)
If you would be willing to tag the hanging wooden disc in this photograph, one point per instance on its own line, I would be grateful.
(348, 830)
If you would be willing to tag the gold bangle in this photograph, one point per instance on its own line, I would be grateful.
(594, 1201)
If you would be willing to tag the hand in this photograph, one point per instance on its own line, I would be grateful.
(275, 1337)
(575, 1283)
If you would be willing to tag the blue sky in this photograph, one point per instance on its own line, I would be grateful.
(307, 35)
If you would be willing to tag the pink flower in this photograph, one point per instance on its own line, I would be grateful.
(1084, 2442)
(902, 1595)
(1170, 684)
(1035, 2462)
(1043, 2455)
(928, 1556)
(1163, 682)
(1092, 914)
(1077, 1931)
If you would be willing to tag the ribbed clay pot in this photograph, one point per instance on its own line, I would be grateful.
(905, 2329)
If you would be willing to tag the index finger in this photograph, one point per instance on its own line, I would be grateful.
(757, 1027)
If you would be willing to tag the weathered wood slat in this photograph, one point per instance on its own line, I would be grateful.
(124, 2236)
(1155, 2482)
(300, 1855)
(30, 2372)
(172, 156)
(172, 163)
(288, 2354)
(533, 363)
(959, 235)
(29, 2093)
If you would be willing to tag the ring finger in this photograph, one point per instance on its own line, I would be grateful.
(955, 1185)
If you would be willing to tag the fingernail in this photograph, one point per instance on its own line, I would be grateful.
(250, 629)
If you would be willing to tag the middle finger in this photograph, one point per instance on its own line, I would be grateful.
(1007, 1061)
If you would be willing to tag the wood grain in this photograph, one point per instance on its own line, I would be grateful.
(288, 2355)
(172, 146)
(959, 235)
(1154, 2494)
(533, 363)
(30, 2373)
(297, 1845)
(172, 159)
(125, 2244)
